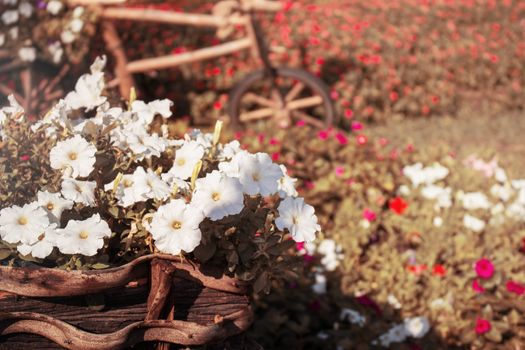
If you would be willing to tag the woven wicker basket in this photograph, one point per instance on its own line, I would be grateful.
(155, 299)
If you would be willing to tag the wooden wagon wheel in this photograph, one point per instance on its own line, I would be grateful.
(36, 85)
(292, 96)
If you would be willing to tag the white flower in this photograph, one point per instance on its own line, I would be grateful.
(229, 150)
(502, 192)
(393, 301)
(186, 158)
(352, 316)
(140, 142)
(54, 204)
(331, 252)
(218, 195)
(438, 221)
(79, 191)
(146, 112)
(500, 175)
(84, 237)
(395, 334)
(205, 140)
(286, 184)
(2, 39)
(319, 287)
(23, 224)
(177, 185)
(124, 191)
(298, 218)
(67, 37)
(78, 11)
(443, 196)
(76, 25)
(256, 172)
(75, 155)
(88, 88)
(473, 223)
(56, 51)
(54, 7)
(25, 9)
(175, 227)
(47, 240)
(10, 17)
(13, 33)
(428, 175)
(416, 327)
(149, 185)
(475, 200)
(404, 190)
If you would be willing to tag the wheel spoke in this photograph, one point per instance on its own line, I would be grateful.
(251, 97)
(308, 119)
(8, 91)
(294, 91)
(305, 103)
(257, 114)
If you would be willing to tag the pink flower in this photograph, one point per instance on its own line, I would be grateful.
(369, 215)
(299, 246)
(339, 171)
(323, 134)
(341, 138)
(477, 287)
(274, 141)
(275, 156)
(484, 268)
(357, 126)
(300, 123)
(310, 185)
(515, 287)
(349, 113)
(483, 326)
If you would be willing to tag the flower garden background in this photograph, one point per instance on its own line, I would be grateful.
(418, 235)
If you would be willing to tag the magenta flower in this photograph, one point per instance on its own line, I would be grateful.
(484, 268)
(515, 287)
(339, 171)
(477, 287)
(369, 215)
(483, 326)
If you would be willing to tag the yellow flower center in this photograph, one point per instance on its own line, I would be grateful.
(83, 235)
(176, 225)
(181, 161)
(22, 220)
(216, 196)
(256, 176)
(127, 183)
(41, 237)
(50, 206)
(73, 155)
(295, 220)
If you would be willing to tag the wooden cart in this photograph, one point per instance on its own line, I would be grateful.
(281, 93)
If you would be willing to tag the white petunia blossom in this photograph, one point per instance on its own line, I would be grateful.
(76, 25)
(298, 218)
(75, 155)
(54, 204)
(146, 112)
(84, 237)
(229, 150)
(256, 172)
(352, 316)
(475, 200)
(22, 224)
(79, 191)
(25, 9)
(443, 196)
(502, 192)
(147, 184)
(416, 327)
(319, 287)
(186, 158)
(428, 175)
(473, 223)
(27, 54)
(47, 240)
(54, 7)
(88, 88)
(67, 37)
(286, 184)
(9, 17)
(218, 195)
(331, 254)
(175, 227)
